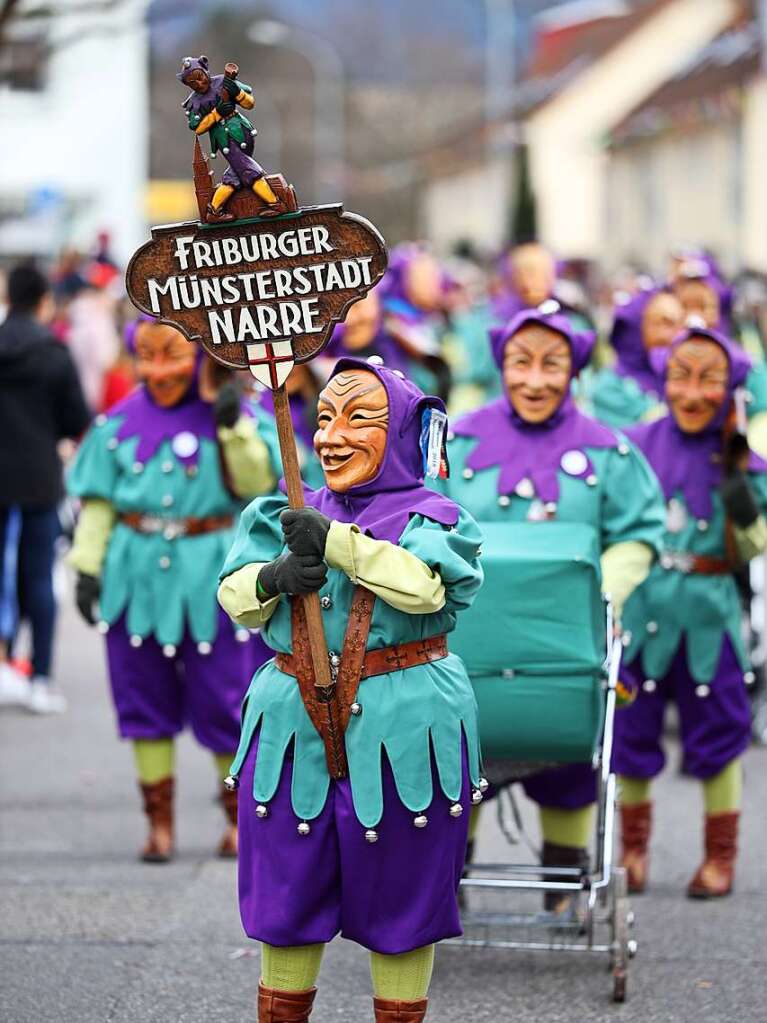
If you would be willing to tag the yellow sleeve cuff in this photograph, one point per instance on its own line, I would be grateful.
(247, 458)
(752, 540)
(339, 552)
(91, 539)
(624, 567)
(238, 596)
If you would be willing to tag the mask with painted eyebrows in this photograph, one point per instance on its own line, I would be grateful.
(696, 383)
(353, 426)
(537, 366)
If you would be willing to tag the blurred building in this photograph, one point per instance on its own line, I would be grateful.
(73, 92)
(593, 64)
(690, 162)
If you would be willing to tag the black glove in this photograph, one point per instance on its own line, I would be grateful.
(738, 499)
(293, 574)
(225, 105)
(230, 86)
(87, 592)
(226, 409)
(305, 531)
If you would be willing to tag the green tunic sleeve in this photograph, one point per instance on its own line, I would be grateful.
(258, 538)
(633, 505)
(452, 553)
(95, 471)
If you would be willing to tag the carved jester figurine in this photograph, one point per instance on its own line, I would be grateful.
(375, 854)
(212, 109)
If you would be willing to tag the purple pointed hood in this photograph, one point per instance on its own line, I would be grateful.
(195, 101)
(703, 267)
(382, 507)
(626, 338)
(536, 452)
(691, 463)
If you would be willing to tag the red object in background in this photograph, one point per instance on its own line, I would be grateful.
(118, 384)
(23, 665)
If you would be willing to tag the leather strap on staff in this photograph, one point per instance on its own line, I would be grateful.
(329, 709)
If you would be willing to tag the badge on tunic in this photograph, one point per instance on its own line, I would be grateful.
(676, 516)
(184, 444)
(574, 463)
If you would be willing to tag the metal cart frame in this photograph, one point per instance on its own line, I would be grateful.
(605, 888)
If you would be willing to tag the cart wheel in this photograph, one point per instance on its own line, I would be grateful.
(620, 934)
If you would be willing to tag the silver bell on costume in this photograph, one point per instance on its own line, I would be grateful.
(371, 835)
(421, 820)
(231, 784)
(261, 811)
(303, 828)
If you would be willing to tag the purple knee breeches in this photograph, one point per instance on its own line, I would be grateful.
(715, 720)
(201, 684)
(390, 895)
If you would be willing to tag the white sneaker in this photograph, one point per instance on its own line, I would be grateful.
(45, 698)
(14, 687)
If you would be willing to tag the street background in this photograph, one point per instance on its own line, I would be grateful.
(89, 934)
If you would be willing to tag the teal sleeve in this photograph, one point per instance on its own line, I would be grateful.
(758, 484)
(453, 553)
(94, 471)
(258, 538)
(633, 505)
(756, 384)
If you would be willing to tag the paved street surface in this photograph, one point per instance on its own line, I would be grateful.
(90, 935)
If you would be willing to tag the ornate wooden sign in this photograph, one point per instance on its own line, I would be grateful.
(259, 293)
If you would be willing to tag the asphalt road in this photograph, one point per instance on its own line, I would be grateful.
(90, 935)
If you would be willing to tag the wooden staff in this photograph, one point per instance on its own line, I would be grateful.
(311, 601)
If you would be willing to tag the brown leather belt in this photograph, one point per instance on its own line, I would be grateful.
(171, 529)
(386, 659)
(695, 564)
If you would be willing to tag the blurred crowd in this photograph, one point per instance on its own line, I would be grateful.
(429, 317)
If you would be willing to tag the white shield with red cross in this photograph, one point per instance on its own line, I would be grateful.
(270, 362)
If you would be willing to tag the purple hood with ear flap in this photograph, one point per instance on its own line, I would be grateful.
(634, 360)
(705, 269)
(548, 314)
(394, 284)
(383, 506)
(190, 64)
(690, 464)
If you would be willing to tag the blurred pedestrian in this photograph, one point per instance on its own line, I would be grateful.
(41, 403)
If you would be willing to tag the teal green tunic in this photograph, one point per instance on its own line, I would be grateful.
(162, 585)
(620, 401)
(671, 606)
(427, 710)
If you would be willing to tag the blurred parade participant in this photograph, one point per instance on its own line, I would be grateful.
(413, 295)
(532, 456)
(630, 390)
(362, 334)
(212, 110)
(685, 620)
(41, 402)
(528, 276)
(303, 389)
(376, 855)
(703, 292)
(93, 339)
(162, 478)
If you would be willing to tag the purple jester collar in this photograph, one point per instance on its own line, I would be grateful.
(535, 451)
(383, 506)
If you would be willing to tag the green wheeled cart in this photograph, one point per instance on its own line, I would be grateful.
(538, 644)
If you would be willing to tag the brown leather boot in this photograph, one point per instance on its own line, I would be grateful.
(636, 823)
(227, 847)
(275, 209)
(389, 1011)
(714, 877)
(158, 806)
(553, 855)
(217, 216)
(284, 1006)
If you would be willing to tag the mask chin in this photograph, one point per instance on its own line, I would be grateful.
(167, 396)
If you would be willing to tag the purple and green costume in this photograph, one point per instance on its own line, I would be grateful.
(233, 136)
(567, 469)
(174, 657)
(363, 866)
(684, 627)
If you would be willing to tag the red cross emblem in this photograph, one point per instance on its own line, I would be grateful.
(270, 362)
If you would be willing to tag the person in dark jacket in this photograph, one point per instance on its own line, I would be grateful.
(41, 403)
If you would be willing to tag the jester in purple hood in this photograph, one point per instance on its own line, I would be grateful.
(377, 854)
(684, 621)
(211, 108)
(532, 456)
(162, 478)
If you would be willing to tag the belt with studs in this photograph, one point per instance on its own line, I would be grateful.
(388, 658)
(694, 564)
(171, 529)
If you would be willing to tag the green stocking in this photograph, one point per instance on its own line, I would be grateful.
(223, 763)
(154, 759)
(571, 828)
(403, 978)
(292, 968)
(632, 791)
(723, 792)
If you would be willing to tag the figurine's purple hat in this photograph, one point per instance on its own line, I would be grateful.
(690, 463)
(190, 64)
(548, 314)
(383, 505)
(535, 452)
(626, 338)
